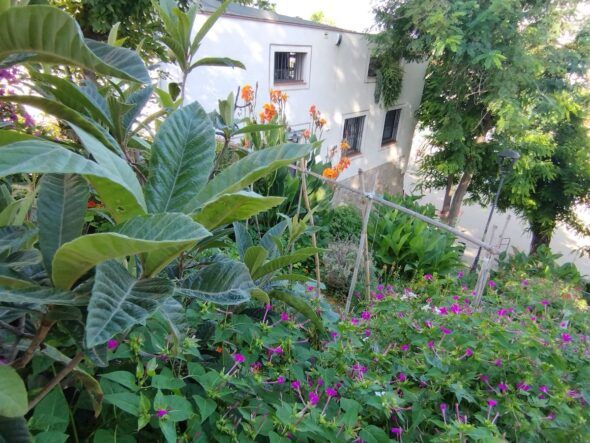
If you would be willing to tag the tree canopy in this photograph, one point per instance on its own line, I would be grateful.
(502, 74)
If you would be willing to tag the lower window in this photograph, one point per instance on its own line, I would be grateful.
(353, 133)
(391, 126)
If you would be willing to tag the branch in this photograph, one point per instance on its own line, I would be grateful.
(35, 342)
(57, 379)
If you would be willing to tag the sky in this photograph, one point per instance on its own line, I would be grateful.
(355, 15)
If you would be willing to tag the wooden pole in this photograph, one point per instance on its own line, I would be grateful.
(359, 255)
(484, 273)
(314, 241)
(366, 249)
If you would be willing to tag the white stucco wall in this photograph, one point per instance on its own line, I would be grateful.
(337, 83)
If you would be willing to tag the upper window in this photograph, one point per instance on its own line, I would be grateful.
(289, 67)
(373, 67)
(353, 133)
(391, 126)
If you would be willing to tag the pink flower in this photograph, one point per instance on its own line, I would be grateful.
(502, 387)
(404, 347)
(239, 358)
(498, 362)
(431, 344)
(544, 389)
(545, 302)
(334, 335)
(484, 378)
(379, 296)
(397, 431)
(278, 350)
(445, 330)
(492, 403)
(522, 386)
(442, 310)
(455, 297)
(309, 288)
(443, 407)
(460, 274)
(492, 284)
(525, 282)
(313, 398)
(354, 321)
(401, 377)
(366, 315)
(468, 352)
(112, 344)
(284, 316)
(566, 338)
(161, 413)
(280, 379)
(428, 323)
(428, 277)
(455, 308)
(296, 385)
(331, 392)
(367, 332)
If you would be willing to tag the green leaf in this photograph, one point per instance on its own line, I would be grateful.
(217, 61)
(40, 295)
(122, 59)
(110, 436)
(182, 158)
(285, 260)
(52, 413)
(174, 314)
(14, 430)
(13, 394)
(165, 236)
(125, 401)
(300, 305)
(60, 211)
(118, 302)
(351, 408)
(165, 382)
(13, 238)
(255, 257)
(256, 128)
(225, 282)
(51, 437)
(373, 434)
(239, 206)
(124, 378)
(247, 170)
(41, 157)
(206, 407)
(50, 35)
(208, 25)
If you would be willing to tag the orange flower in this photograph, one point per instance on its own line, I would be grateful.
(321, 123)
(330, 173)
(284, 97)
(275, 95)
(343, 164)
(219, 349)
(312, 110)
(247, 93)
(268, 112)
(344, 145)
(306, 133)
(91, 204)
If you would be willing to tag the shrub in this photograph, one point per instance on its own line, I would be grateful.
(407, 246)
(340, 223)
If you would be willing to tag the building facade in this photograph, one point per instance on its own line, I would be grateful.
(317, 65)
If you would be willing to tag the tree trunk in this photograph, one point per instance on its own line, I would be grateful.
(455, 208)
(444, 212)
(540, 237)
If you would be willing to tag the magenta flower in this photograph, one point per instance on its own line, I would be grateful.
(310, 288)
(498, 362)
(366, 315)
(397, 431)
(460, 274)
(404, 347)
(161, 413)
(112, 344)
(484, 378)
(522, 386)
(566, 338)
(428, 324)
(455, 308)
(443, 407)
(442, 310)
(502, 312)
(284, 316)
(239, 358)
(278, 350)
(296, 384)
(455, 297)
(492, 403)
(379, 296)
(354, 321)
(502, 387)
(431, 344)
(492, 284)
(331, 392)
(367, 332)
(468, 352)
(313, 398)
(428, 277)
(525, 282)
(280, 379)
(545, 302)
(445, 330)
(544, 389)
(334, 335)
(401, 377)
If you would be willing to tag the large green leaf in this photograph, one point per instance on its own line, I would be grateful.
(123, 59)
(254, 257)
(285, 260)
(247, 170)
(52, 413)
(229, 208)
(60, 211)
(217, 61)
(118, 301)
(164, 235)
(38, 156)
(182, 158)
(41, 295)
(14, 430)
(225, 282)
(47, 34)
(13, 394)
(13, 238)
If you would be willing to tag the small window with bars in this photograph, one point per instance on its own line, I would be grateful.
(373, 67)
(353, 133)
(289, 67)
(391, 126)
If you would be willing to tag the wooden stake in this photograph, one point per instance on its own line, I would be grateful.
(314, 241)
(362, 243)
(484, 273)
(366, 255)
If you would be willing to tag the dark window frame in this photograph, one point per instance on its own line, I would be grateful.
(353, 133)
(373, 67)
(289, 67)
(391, 126)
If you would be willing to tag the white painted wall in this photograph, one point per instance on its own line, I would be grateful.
(338, 83)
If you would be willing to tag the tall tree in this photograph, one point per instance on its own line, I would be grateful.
(500, 76)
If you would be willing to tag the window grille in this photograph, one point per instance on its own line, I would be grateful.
(391, 126)
(289, 66)
(353, 133)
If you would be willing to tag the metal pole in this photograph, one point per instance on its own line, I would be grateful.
(484, 274)
(359, 256)
(456, 232)
(485, 231)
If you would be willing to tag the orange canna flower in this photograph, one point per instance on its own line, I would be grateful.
(306, 133)
(330, 173)
(247, 93)
(322, 122)
(344, 145)
(268, 112)
(276, 95)
(342, 164)
(219, 349)
(284, 97)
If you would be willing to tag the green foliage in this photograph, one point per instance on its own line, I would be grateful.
(408, 247)
(340, 223)
(389, 82)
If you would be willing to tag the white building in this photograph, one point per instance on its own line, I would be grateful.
(314, 64)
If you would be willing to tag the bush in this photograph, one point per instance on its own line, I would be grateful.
(408, 247)
(340, 223)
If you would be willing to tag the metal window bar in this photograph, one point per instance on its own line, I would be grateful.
(353, 132)
(391, 126)
(289, 66)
